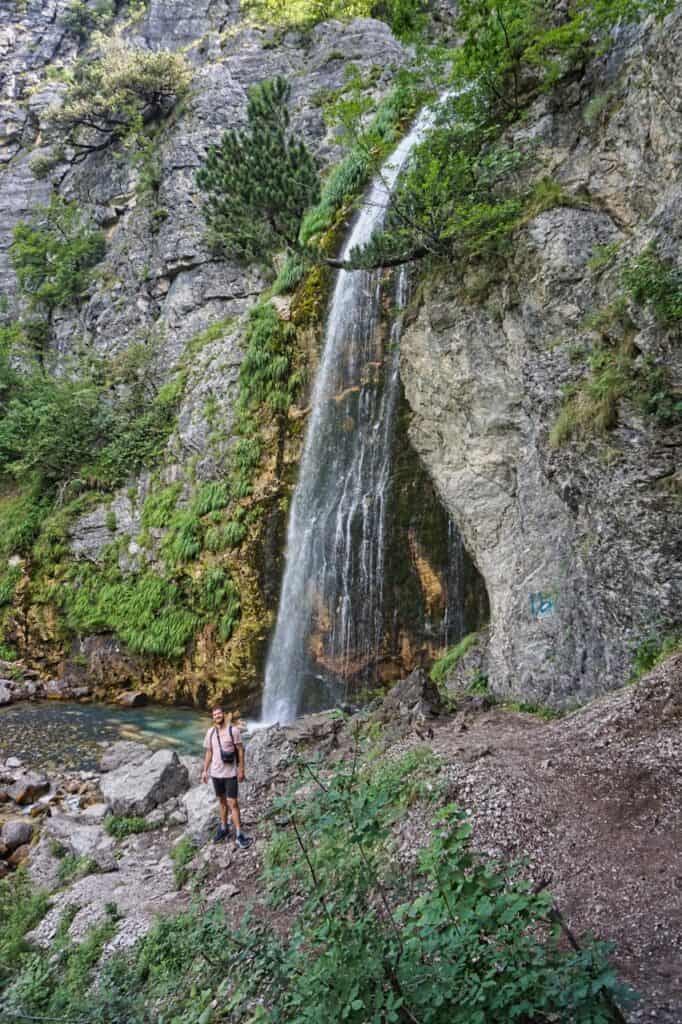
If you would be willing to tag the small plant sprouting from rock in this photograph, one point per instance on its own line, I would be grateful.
(182, 854)
(445, 664)
(122, 827)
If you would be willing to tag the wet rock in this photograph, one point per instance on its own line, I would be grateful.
(139, 788)
(122, 753)
(132, 699)
(28, 788)
(13, 762)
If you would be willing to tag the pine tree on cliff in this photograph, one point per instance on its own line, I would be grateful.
(259, 180)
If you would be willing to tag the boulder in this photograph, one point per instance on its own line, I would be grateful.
(42, 865)
(415, 692)
(201, 808)
(57, 689)
(5, 692)
(269, 754)
(136, 789)
(13, 762)
(122, 753)
(194, 766)
(95, 813)
(19, 856)
(132, 699)
(16, 833)
(82, 840)
(28, 788)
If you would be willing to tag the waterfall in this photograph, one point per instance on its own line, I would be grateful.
(330, 608)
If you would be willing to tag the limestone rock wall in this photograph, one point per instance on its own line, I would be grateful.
(579, 545)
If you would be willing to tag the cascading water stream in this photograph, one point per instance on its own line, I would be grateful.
(333, 578)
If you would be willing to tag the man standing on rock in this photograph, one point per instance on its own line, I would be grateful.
(224, 762)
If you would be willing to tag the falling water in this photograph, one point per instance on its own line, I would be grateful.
(329, 622)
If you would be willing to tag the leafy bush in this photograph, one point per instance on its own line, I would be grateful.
(53, 254)
(657, 645)
(21, 908)
(651, 281)
(82, 19)
(159, 506)
(60, 987)
(615, 373)
(50, 428)
(9, 578)
(115, 95)
(72, 867)
(121, 827)
(404, 16)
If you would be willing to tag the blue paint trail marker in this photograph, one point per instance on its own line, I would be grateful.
(541, 605)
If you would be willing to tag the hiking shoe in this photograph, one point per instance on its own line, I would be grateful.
(243, 842)
(221, 834)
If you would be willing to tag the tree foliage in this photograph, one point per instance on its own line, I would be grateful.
(259, 180)
(404, 16)
(459, 197)
(112, 96)
(53, 254)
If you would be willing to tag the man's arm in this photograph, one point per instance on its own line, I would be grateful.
(207, 765)
(241, 762)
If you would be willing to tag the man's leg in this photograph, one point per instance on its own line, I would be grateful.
(222, 801)
(234, 811)
(242, 840)
(219, 788)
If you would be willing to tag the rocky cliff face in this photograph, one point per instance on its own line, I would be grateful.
(578, 542)
(160, 290)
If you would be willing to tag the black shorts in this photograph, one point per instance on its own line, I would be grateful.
(225, 787)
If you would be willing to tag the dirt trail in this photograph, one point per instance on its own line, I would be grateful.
(593, 801)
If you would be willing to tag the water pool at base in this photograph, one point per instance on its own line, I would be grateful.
(66, 735)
